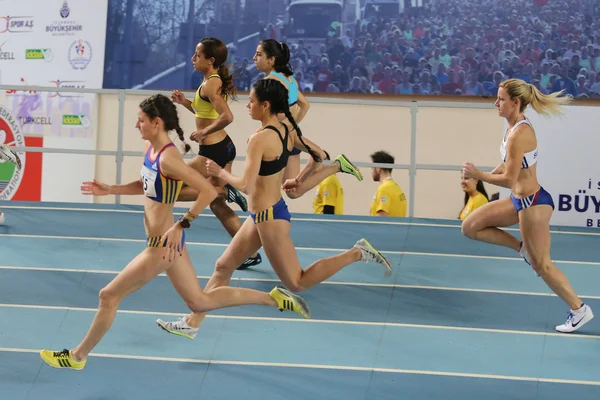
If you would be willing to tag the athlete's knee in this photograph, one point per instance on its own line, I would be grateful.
(199, 303)
(469, 228)
(218, 206)
(223, 269)
(109, 298)
(540, 264)
(293, 284)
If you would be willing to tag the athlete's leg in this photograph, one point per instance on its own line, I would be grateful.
(483, 224)
(340, 164)
(142, 269)
(184, 280)
(535, 229)
(245, 242)
(228, 218)
(282, 255)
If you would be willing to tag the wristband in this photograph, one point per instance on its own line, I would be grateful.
(184, 222)
(189, 216)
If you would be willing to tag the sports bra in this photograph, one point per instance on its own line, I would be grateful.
(156, 186)
(292, 87)
(202, 105)
(274, 166)
(529, 158)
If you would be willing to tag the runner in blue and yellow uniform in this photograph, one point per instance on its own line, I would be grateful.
(162, 177)
(269, 222)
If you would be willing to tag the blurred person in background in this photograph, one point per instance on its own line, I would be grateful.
(475, 196)
(389, 199)
(329, 197)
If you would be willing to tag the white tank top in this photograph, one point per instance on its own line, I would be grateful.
(529, 158)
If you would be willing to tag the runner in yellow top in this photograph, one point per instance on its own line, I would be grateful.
(212, 117)
(475, 196)
(389, 200)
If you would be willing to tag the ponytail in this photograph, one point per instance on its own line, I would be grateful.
(284, 62)
(546, 104)
(227, 87)
(312, 153)
(528, 94)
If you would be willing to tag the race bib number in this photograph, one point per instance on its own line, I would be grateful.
(148, 181)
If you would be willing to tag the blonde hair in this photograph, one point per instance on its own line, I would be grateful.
(544, 104)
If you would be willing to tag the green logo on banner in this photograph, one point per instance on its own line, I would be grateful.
(39, 54)
(75, 121)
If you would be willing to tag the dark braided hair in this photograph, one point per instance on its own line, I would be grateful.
(160, 106)
(276, 94)
(281, 52)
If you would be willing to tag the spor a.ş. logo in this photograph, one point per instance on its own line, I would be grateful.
(10, 135)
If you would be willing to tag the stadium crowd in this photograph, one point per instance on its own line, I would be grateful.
(458, 47)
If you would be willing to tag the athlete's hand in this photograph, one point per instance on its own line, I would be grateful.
(198, 136)
(290, 185)
(177, 97)
(95, 188)
(470, 171)
(173, 239)
(212, 168)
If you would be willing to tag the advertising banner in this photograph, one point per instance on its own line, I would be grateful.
(50, 43)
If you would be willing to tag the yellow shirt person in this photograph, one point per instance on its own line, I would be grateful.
(390, 199)
(473, 203)
(330, 194)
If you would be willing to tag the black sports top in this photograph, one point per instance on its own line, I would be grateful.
(274, 166)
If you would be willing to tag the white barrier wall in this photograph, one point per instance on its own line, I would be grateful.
(444, 136)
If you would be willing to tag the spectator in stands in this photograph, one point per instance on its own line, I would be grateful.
(355, 86)
(564, 82)
(473, 87)
(365, 87)
(323, 76)
(405, 87)
(389, 199)
(388, 83)
(452, 85)
(339, 78)
(595, 88)
(242, 77)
